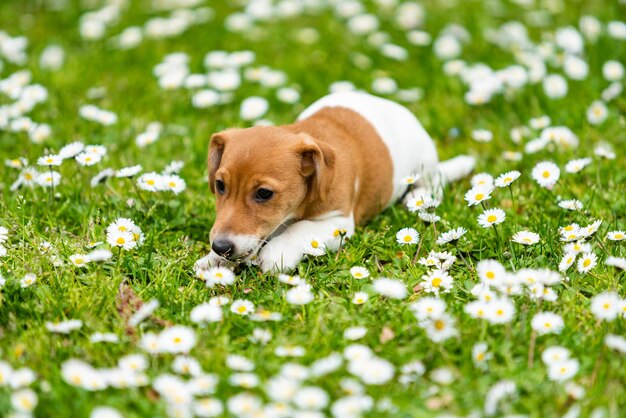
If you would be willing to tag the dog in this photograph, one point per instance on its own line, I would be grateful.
(343, 161)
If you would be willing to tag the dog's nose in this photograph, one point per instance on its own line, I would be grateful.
(223, 247)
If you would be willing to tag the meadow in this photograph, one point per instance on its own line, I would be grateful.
(505, 298)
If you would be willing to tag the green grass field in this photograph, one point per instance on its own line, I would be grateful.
(314, 44)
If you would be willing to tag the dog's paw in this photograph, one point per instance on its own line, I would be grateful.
(280, 254)
(212, 260)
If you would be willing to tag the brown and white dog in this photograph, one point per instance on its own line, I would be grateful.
(341, 163)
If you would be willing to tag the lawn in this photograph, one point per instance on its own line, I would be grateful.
(480, 325)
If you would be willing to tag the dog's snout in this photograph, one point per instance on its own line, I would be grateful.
(223, 247)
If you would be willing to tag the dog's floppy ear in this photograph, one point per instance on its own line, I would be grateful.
(216, 149)
(317, 165)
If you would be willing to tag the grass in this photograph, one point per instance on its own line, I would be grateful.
(177, 227)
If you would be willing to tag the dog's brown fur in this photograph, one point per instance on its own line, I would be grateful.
(312, 166)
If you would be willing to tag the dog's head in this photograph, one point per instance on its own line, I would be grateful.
(262, 177)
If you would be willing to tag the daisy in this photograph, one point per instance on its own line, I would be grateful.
(64, 327)
(50, 160)
(563, 371)
(417, 203)
(571, 204)
(122, 239)
(428, 308)
(176, 339)
(555, 86)
(428, 217)
(28, 280)
(480, 355)
(71, 150)
(205, 312)
(253, 108)
(407, 236)
(491, 217)
(587, 262)
(143, 312)
(173, 183)
(96, 149)
(437, 281)
(219, 275)
(128, 171)
(48, 179)
(478, 194)
(597, 112)
(554, 355)
(575, 166)
(314, 246)
(410, 179)
(526, 238)
(79, 260)
(546, 323)
(4, 234)
(151, 182)
(390, 288)
(606, 306)
(546, 174)
(482, 179)
(101, 176)
(613, 70)
(440, 329)
(566, 262)
(616, 262)
(500, 311)
(242, 307)
(612, 236)
(450, 236)
(506, 179)
(482, 135)
(359, 272)
(88, 159)
(292, 280)
(299, 295)
(354, 333)
(591, 228)
(360, 298)
(24, 401)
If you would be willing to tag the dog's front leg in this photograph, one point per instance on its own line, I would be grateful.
(284, 252)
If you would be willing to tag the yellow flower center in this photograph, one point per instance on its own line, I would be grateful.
(480, 312)
(150, 182)
(28, 176)
(79, 261)
(358, 274)
(241, 309)
(177, 340)
(479, 196)
(492, 218)
(499, 312)
(171, 184)
(508, 180)
(407, 238)
(619, 236)
(219, 275)
(437, 282)
(315, 244)
(606, 305)
(439, 324)
(547, 325)
(546, 174)
(480, 356)
(587, 262)
(490, 275)
(121, 241)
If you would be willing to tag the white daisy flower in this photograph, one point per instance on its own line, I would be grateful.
(407, 236)
(491, 217)
(587, 262)
(390, 288)
(563, 371)
(173, 183)
(71, 150)
(292, 280)
(437, 281)
(64, 327)
(597, 112)
(428, 308)
(440, 329)
(526, 238)
(242, 307)
(80, 260)
(299, 295)
(571, 204)
(480, 355)
(152, 182)
(567, 261)
(176, 339)
(88, 158)
(482, 179)
(506, 179)
(48, 179)
(50, 160)
(314, 246)
(555, 354)
(28, 280)
(253, 108)
(359, 272)
(125, 240)
(612, 236)
(450, 236)
(128, 171)
(547, 323)
(360, 298)
(411, 179)
(546, 174)
(606, 306)
(500, 311)
(478, 194)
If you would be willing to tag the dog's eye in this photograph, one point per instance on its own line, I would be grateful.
(263, 194)
(219, 186)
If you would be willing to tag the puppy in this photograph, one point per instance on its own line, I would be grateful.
(342, 162)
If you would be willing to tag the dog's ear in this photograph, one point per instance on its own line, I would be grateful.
(216, 149)
(317, 165)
